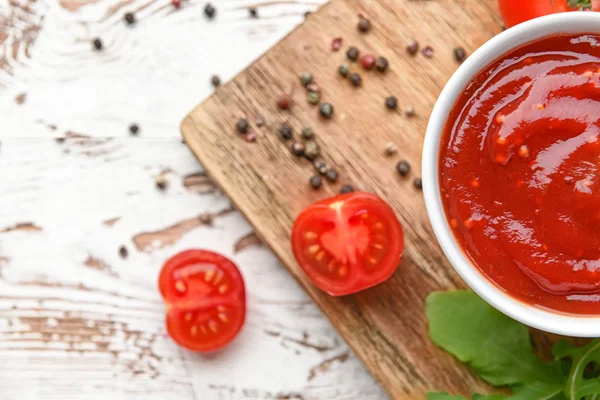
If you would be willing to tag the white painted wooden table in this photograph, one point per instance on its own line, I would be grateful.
(77, 320)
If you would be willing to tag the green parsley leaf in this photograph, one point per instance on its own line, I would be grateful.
(495, 346)
(577, 386)
(446, 396)
(538, 391)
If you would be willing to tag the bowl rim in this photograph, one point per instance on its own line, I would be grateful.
(536, 317)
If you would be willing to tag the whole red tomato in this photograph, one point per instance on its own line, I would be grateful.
(205, 297)
(516, 11)
(348, 243)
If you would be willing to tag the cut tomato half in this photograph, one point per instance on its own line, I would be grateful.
(348, 243)
(205, 297)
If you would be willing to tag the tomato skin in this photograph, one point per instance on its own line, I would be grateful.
(348, 243)
(516, 11)
(205, 297)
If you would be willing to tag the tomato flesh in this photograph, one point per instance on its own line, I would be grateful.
(348, 243)
(205, 297)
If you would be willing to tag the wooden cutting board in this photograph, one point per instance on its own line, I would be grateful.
(385, 326)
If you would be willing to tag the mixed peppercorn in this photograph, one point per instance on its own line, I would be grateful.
(306, 147)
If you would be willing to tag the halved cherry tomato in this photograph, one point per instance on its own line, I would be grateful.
(516, 11)
(348, 243)
(205, 297)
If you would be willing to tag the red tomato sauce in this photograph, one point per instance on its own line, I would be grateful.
(520, 173)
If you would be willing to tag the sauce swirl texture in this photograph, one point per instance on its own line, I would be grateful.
(520, 173)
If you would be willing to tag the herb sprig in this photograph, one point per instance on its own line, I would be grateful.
(499, 350)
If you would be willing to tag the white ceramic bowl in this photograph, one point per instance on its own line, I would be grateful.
(575, 22)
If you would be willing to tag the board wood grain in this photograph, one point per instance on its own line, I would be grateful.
(386, 325)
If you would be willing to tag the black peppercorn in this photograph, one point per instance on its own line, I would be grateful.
(253, 12)
(364, 25)
(331, 175)
(344, 69)
(403, 168)
(97, 44)
(355, 79)
(123, 252)
(215, 80)
(311, 150)
(161, 182)
(346, 189)
(298, 149)
(130, 18)
(412, 47)
(460, 54)
(242, 125)
(134, 129)
(320, 166)
(286, 131)
(326, 110)
(418, 183)
(209, 11)
(391, 102)
(316, 181)
(382, 64)
(352, 53)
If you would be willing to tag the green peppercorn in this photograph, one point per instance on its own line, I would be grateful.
(344, 69)
(313, 98)
(306, 78)
(352, 53)
(308, 133)
(326, 110)
(355, 79)
(311, 150)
